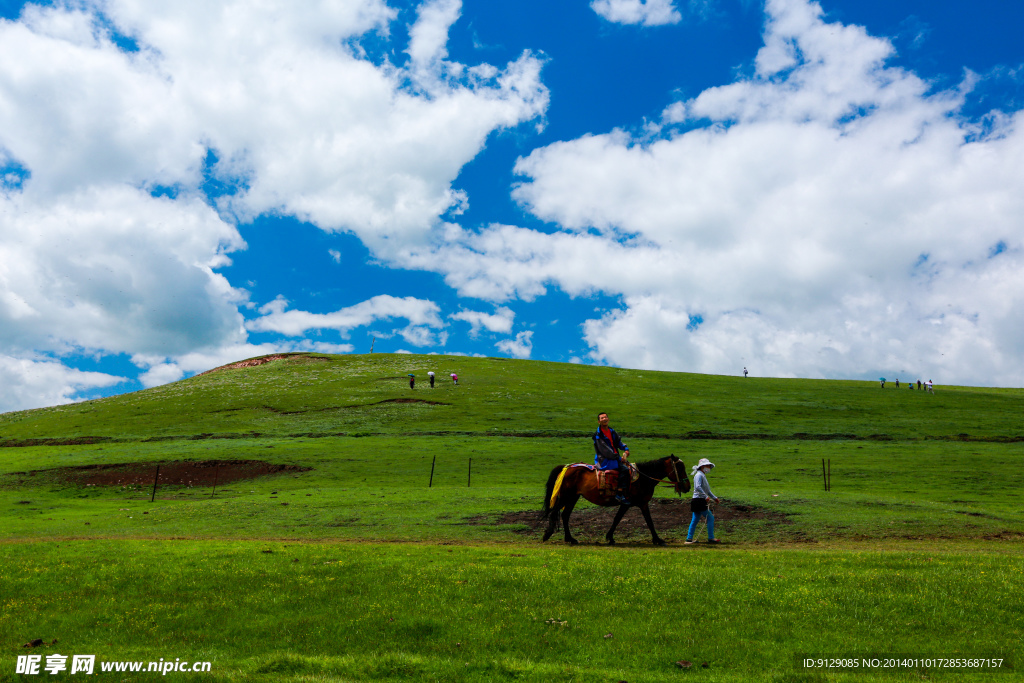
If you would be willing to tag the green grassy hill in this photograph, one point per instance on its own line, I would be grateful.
(312, 394)
(364, 554)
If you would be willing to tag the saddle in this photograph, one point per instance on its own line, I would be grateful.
(608, 480)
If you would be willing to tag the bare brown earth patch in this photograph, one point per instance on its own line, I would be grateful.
(262, 360)
(72, 441)
(356, 405)
(175, 473)
(666, 513)
(409, 400)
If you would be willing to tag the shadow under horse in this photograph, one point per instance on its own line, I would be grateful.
(581, 481)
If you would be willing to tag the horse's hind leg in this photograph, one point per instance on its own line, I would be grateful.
(552, 524)
(610, 536)
(566, 512)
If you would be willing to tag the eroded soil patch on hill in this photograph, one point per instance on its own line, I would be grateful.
(300, 356)
(407, 400)
(356, 405)
(175, 473)
(666, 513)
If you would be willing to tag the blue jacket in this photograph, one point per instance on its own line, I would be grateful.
(610, 458)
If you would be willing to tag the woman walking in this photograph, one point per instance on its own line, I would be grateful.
(699, 503)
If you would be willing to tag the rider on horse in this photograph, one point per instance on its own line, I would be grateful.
(608, 446)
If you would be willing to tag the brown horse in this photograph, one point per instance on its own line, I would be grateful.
(581, 481)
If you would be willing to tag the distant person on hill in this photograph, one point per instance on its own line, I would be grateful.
(897, 382)
(612, 454)
(744, 372)
(882, 381)
(455, 378)
(931, 387)
(431, 376)
(412, 381)
(699, 503)
(919, 385)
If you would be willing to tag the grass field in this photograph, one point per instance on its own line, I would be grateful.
(349, 567)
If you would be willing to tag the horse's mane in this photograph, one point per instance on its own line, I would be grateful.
(648, 465)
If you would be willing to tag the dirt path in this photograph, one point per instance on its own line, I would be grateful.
(666, 513)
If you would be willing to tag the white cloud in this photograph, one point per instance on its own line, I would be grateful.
(111, 268)
(164, 373)
(499, 321)
(502, 262)
(520, 347)
(321, 347)
(32, 382)
(314, 130)
(428, 37)
(827, 216)
(418, 335)
(646, 12)
(287, 102)
(420, 313)
(77, 112)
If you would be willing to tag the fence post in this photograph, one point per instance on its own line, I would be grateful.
(155, 479)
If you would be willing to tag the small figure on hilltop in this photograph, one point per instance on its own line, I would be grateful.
(412, 381)
(897, 382)
(699, 503)
(881, 380)
(931, 387)
(455, 378)
(431, 376)
(918, 385)
(612, 454)
(744, 372)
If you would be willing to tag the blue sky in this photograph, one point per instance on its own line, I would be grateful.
(830, 189)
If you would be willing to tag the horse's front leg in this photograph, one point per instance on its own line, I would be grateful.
(566, 512)
(610, 536)
(655, 539)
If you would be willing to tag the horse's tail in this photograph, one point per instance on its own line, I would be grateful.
(550, 493)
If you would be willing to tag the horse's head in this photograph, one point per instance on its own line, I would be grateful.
(677, 474)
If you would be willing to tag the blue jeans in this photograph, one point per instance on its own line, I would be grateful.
(693, 524)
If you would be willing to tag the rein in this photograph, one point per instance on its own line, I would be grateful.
(675, 467)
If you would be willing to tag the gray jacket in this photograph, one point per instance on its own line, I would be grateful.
(701, 489)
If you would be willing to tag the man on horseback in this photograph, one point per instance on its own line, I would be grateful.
(612, 454)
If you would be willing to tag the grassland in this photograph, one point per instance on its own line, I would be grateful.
(321, 395)
(354, 569)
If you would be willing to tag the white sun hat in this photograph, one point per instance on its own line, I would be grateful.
(703, 461)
